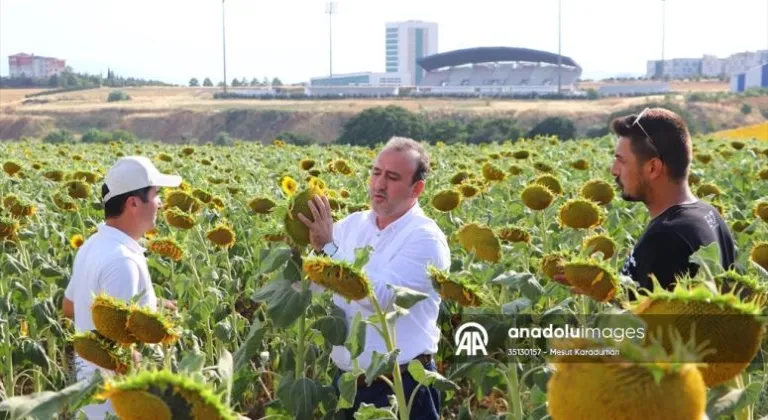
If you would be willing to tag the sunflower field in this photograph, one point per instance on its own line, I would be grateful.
(249, 339)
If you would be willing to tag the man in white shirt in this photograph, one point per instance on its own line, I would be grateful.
(404, 241)
(111, 260)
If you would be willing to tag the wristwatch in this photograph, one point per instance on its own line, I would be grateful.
(330, 249)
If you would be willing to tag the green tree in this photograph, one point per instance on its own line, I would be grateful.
(235, 82)
(561, 127)
(193, 82)
(276, 82)
(255, 82)
(376, 125)
(492, 130)
(207, 82)
(447, 131)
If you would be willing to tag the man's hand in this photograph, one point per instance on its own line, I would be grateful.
(168, 304)
(321, 229)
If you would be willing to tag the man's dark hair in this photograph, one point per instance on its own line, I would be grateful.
(115, 206)
(669, 140)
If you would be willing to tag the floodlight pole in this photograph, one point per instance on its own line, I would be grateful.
(330, 10)
(559, 47)
(224, 42)
(663, 32)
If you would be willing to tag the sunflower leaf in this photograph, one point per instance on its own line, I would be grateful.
(734, 400)
(381, 364)
(46, 404)
(406, 297)
(356, 339)
(430, 378)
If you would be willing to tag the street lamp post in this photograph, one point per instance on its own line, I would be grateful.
(224, 42)
(663, 31)
(330, 9)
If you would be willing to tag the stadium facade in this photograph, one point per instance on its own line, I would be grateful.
(498, 70)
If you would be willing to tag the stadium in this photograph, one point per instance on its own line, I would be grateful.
(498, 70)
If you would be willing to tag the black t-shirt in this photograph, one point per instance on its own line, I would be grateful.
(671, 238)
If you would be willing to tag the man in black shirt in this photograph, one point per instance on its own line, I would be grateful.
(652, 162)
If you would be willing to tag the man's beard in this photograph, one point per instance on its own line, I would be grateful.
(640, 196)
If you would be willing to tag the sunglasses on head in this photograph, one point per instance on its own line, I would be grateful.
(650, 139)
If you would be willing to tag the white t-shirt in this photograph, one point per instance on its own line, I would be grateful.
(402, 252)
(112, 262)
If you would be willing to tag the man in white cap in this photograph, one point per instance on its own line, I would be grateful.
(111, 261)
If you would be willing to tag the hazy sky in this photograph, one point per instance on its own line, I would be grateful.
(173, 40)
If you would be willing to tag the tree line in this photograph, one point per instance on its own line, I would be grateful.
(69, 79)
(195, 82)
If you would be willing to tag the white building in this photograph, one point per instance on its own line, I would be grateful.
(361, 79)
(756, 77)
(34, 66)
(406, 42)
(708, 66)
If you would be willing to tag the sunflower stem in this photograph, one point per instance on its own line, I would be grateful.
(8, 380)
(513, 391)
(402, 404)
(302, 327)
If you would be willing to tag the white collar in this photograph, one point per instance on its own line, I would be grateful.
(121, 237)
(413, 211)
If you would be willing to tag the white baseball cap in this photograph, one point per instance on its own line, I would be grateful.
(133, 173)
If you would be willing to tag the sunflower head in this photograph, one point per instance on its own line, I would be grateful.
(704, 157)
(182, 200)
(759, 254)
(54, 175)
(288, 185)
(100, 351)
(202, 195)
(592, 278)
(553, 264)
(705, 190)
(76, 241)
(468, 191)
(110, 316)
(598, 191)
(78, 189)
(296, 229)
(166, 247)
(64, 202)
(492, 172)
(600, 243)
(454, 288)
(8, 228)
(515, 170)
(580, 164)
(579, 213)
(306, 164)
(11, 167)
(537, 197)
(514, 234)
(163, 395)
(151, 327)
(521, 154)
(221, 235)
(542, 167)
(550, 182)
(339, 276)
(481, 241)
(179, 218)
(315, 182)
(761, 210)
(89, 177)
(261, 205)
(446, 200)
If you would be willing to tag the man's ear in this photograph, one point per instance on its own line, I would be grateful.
(418, 188)
(655, 168)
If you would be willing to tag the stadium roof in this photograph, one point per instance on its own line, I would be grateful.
(490, 55)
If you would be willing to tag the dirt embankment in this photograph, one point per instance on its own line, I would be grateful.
(180, 115)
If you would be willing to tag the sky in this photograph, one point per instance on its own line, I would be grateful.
(174, 40)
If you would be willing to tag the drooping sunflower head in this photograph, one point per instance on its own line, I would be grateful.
(188, 151)
(11, 167)
(87, 176)
(521, 154)
(460, 177)
(598, 191)
(100, 351)
(580, 164)
(761, 210)
(763, 174)
(78, 189)
(204, 196)
(166, 247)
(182, 200)
(261, 205)
(222, 235)
(164, 395)
(481, 241)
(306, 164)
(492, 172)
(514, 234)
(579, 213)
(515, 170)
(468, 191)
(454, 288)
(550, 182)
(705, 190)
(746, 286)
(179, 218)
(759, 254)
(64, 202)
(738, 145)
(543, 167)
(110, 316)
(339, 276)
(553, 264)
(704, 157)
(54, 175)
(594, 279)
(600, 243)
(8, 228)
(341, 166)
(537, 197)
(151, 327)
(446, 200)
(22, 208)
(729, 329)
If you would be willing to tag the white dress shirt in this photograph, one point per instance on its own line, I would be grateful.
(401, 253)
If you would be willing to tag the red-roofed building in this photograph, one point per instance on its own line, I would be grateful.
(34, 66)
